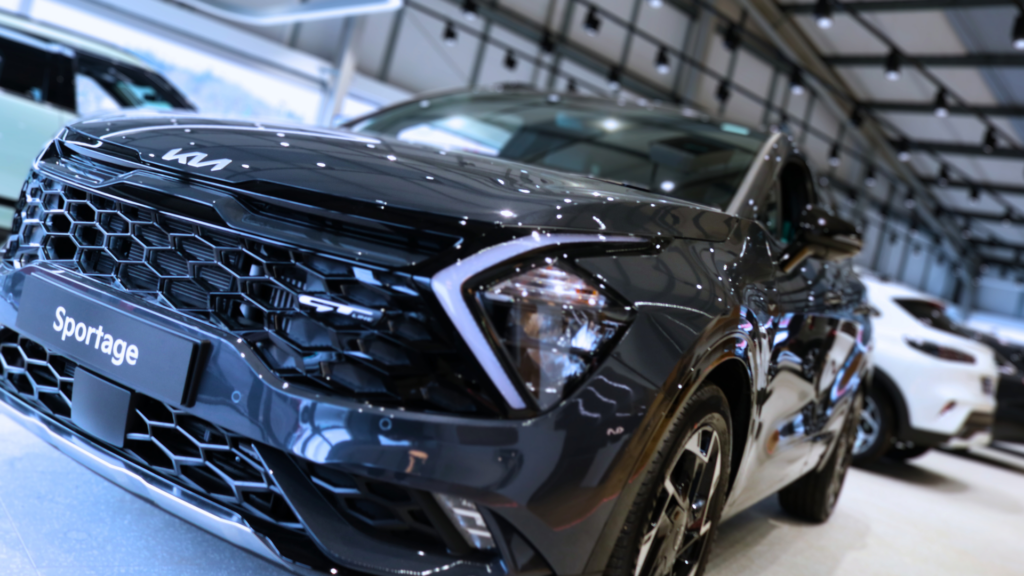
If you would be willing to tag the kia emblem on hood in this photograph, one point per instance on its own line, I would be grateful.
(196, 159)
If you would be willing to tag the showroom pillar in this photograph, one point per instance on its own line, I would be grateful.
(341, 76)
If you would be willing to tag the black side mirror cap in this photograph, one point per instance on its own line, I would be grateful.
(824, 236)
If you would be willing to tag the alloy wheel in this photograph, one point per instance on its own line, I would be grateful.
(869, 426)
(680, 523)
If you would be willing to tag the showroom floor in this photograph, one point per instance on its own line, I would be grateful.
(943, 514)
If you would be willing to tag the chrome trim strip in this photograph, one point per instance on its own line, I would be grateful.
(209, 516)
(447, 285)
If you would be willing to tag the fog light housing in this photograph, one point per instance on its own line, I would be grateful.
(467, 520)
(554, 327)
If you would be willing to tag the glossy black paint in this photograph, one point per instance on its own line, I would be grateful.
(712, 300)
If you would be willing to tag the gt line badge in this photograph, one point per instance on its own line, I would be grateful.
(324, 305)
(196, 159)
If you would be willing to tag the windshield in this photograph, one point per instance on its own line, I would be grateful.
(659, 151)
(105, 85)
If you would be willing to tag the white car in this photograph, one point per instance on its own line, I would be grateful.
(931, 386)
(48, 78)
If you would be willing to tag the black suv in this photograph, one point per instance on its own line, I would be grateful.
(488, 333)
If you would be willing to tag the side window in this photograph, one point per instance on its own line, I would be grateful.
(36, 74)
(768, 209)
(796, 194)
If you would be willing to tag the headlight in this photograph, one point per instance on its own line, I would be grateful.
(554, 327)
(943, 352)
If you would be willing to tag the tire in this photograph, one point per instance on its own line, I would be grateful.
(813, 497)
(875, 429)
(679, 489)
(901, 452)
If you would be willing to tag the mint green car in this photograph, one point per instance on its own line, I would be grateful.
(50, 77)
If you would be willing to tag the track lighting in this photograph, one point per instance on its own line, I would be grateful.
(941, 105)
(510, 60)
(571, 86)
(823, 14)
(943, 179)
(661, 63)
(990, 141)
(833, 156)
(1018, 33)
(469, 10)
(614, 84)
(892, 66)
(732, 37)
(869, 178)
(592, 23)
(451, 37)
(723, 92)
(903, 150)
(547, 43)
(796, 82)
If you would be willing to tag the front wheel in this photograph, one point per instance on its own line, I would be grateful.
(875, 429)
(672, 523)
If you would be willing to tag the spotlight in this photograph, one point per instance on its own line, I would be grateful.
(990, 141)
(614, 84)
(943, 179)
(655, 3)
(547, 43)
(661, 63)
(510, 60)
(869, 178)
(592, 23)
(903, 150)
(833, 156)
(892, 66)
(975, 194)
(823, 14)
(941, 105)
(469, 10)
(723, 92)
(796, 82)
(571, 86)
(732, 37)
(450, 37)
(1018, 33)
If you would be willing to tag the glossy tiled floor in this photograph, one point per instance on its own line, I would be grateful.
(942, 514)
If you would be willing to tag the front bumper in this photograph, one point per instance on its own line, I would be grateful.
(184, 504)
(546, 486)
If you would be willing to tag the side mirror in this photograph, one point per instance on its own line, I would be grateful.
(824, 236)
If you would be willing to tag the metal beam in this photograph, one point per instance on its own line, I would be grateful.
(929, 108)
(897, 5)
(981, 186)
(291, 13)
(931, 60)
(965, 150)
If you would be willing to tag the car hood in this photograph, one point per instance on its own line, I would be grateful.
(343, 172)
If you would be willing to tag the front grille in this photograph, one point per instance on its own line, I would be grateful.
(408, 357)
(219, 465)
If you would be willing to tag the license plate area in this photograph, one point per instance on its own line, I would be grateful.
(109, 340)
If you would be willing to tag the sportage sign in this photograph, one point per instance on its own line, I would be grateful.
(133, 347)
(118, 350)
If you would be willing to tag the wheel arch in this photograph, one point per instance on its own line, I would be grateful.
(880, 380)
(729, 367)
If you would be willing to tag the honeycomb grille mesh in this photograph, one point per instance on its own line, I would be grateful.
(407, 355)
(213, 462)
